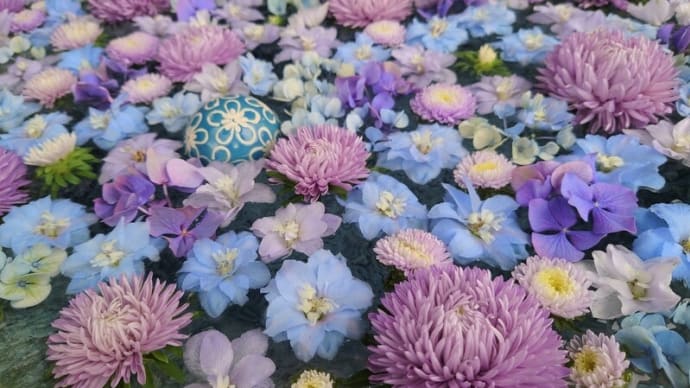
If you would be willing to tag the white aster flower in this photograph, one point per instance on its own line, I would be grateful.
(51, 150)
(597, 361)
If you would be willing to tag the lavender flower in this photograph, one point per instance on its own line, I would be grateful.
(123, 198)
(182, 227)
(423, 67)
(298, 227)
(213, 82)
(13, 177)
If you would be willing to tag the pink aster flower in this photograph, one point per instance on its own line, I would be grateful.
(49, 85)
(13, 178)
(561, 287)
(135, 48)
(444, 103)
(102, 336)
(11, 5)
(298, 227)
(185, 53)
(360, 13)
(493, 90)
(147, 88)
(319, 158)
(486, 168)
(612, 81)
(122, 10)
(75, 34)
(448, 326)
(411, 249)
(26, 20)
(386, 32)
(597, 361)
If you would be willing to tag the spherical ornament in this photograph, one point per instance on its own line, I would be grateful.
(231, 129)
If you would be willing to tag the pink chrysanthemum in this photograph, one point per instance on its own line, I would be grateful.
(411, 249)
(359, 13)
(444, 103)
(13, 178)
(122, 10)
(448, 326)
(135, 48)
(185, 53)
(49, 85)
(613, 82)
(147, 88)
(11, 5)
(26, 20)
(386, 32)
(75, 34)
(561, 287)
(102, 336)
(319, 158)
(486, 168)
(597, 361)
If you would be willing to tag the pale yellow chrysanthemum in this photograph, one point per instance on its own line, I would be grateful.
(51, 150)
(75, 34)
(313, 379)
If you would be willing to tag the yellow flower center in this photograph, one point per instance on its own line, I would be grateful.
(424, 141)
(413, 252)
(504, 89)
(99, 121)
(484, 224)
(109, 256)
(225, 261)
(35, 127)
(363, 53)
(554, 282)
(484, 167)
(288, 231)
(534, 41)
(637, 289)
(313, 306)
(50, 226)
(254, 31)
(313, 379)
(487, 55)
(139, 156)
(608, 163)
(586, 361)
(226, 185)
(438, 27)
(445, 97)
(170, 111)
(686, 245)
(308, 44)
(389, 205)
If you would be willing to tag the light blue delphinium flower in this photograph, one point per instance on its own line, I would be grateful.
(438, 33)
(35, 131)
(258, 75)
(651, 346)
(670, 240)
(421, 153)
(84, 58)
(631, 27)
(383, 205)
(13, 110)
(174, 112)
(544, 113)
(120, 252)
(621, 159)
(487, 19)
(476, 230)
(57, 223)
(223, 271)
(361, 51)
(316, 305)
(107, 128)
(527, 46)
(683, 102)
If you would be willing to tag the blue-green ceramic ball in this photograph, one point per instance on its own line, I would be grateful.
(231, 129)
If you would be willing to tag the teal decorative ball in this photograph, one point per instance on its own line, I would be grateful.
(231, 129)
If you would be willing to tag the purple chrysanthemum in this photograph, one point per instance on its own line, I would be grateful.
(11, 5)
(319, 158)
(13, 178)
(444, 103)
(454, 327)
(360, 13)
(185, 53)
(121, 10)
(411, 249)
(613, 82)
(103, 336)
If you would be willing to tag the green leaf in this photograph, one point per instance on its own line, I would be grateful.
(359, 379)
(171, 370)
(175, 351)
(339, 191)
(149, 375)
(160, 356)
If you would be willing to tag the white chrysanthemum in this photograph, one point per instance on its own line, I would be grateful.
(51, 150)
(597, 361)
(486, 168)
(313, 379)
(557, 284)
